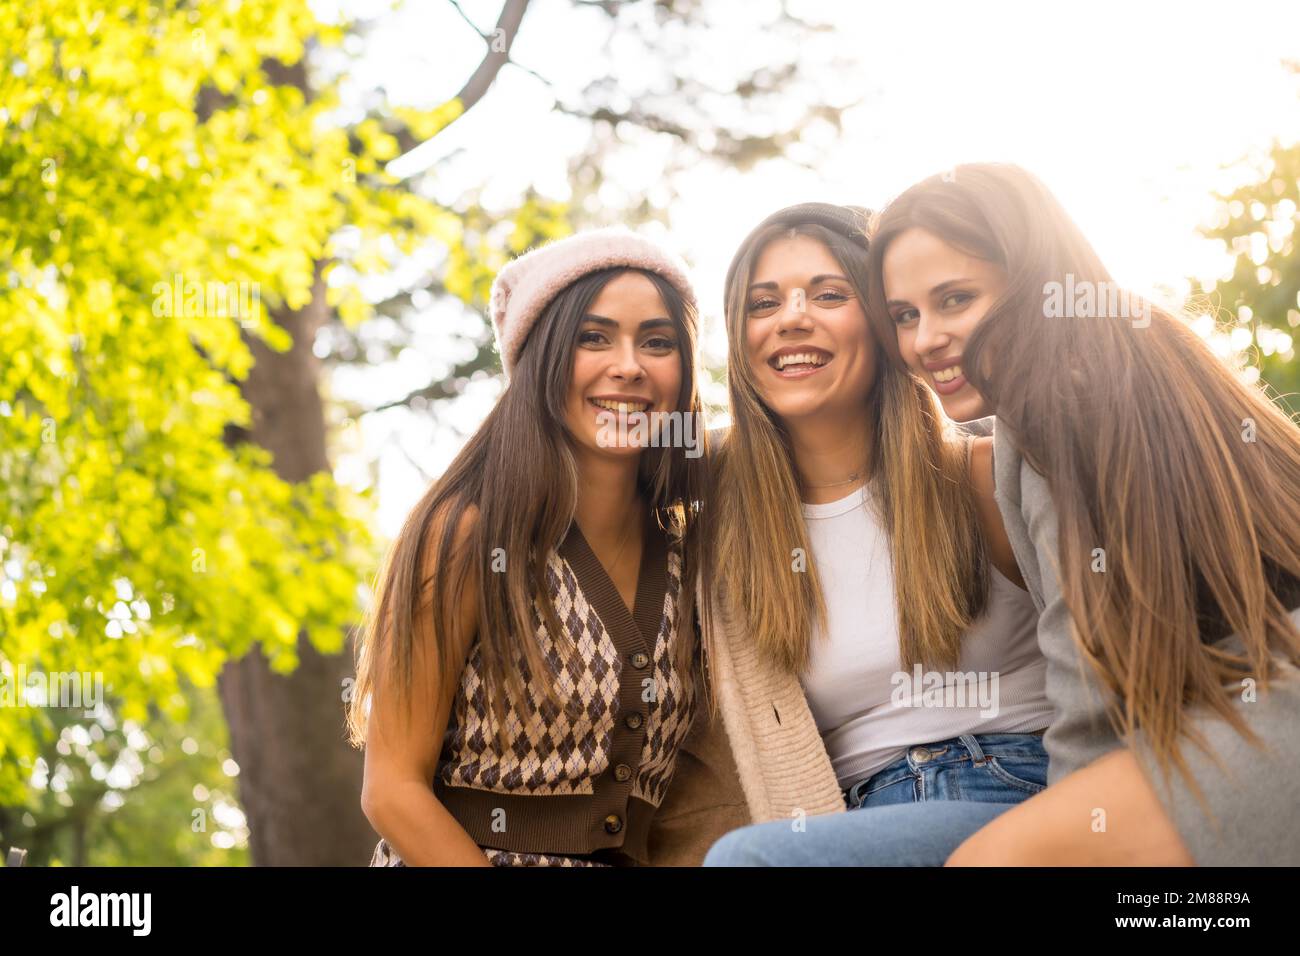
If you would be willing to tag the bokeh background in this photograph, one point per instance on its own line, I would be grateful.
(245, 250)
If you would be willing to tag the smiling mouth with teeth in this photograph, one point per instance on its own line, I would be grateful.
(625, 408)
(947, 374)
(799, 360)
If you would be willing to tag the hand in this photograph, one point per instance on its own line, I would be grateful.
(1106, 814)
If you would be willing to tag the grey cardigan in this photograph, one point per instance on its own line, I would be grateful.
(1254, 795)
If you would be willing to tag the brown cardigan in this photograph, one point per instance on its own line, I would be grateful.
(762, 758)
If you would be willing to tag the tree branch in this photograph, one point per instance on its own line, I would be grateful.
(476, 87)
(473, 26)
(512, 14)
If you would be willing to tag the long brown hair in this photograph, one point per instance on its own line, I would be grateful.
(1187, 479)
(519, 471)
(918, 468)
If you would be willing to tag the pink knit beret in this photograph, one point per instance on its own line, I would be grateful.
(524, 287)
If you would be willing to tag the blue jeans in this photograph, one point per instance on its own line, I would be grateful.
(915, 812)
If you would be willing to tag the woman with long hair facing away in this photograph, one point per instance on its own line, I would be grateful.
(528, 671)
(1153, 503)
(876, 652)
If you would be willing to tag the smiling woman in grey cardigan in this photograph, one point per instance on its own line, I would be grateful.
(1153, 503)
(1252, 796)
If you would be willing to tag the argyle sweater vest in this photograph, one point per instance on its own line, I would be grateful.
(576, 787)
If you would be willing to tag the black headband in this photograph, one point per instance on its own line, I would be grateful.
(847, 221)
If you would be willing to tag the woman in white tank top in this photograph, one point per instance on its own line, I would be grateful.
(877, 717)
(851, 545)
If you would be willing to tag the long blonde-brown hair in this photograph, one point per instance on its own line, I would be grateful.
(918, 470)
(1155, 452)
(519, 472)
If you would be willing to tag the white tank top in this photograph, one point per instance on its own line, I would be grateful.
(868, 709)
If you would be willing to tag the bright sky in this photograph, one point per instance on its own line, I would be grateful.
(1133, 113)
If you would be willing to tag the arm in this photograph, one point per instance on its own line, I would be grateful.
(1149, 821)
(402, 754)
(1106, 814)
(1253, 816)
(1103, 814)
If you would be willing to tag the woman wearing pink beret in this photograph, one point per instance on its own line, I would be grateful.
(528, 672)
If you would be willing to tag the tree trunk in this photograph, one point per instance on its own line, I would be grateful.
(299, 779)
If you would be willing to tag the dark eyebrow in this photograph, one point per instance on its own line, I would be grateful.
(816, 280)
(941, 287)
(612, 323)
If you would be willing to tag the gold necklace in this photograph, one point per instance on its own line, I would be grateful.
(613, 565)
(856, 476)
(626, 534)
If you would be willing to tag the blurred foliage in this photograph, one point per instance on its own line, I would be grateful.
(168, 180)
(160, 792)
(1257, 224)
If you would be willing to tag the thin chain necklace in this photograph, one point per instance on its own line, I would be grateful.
(626, 534)
(613, 565)
(856, 476)
(613, 568)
